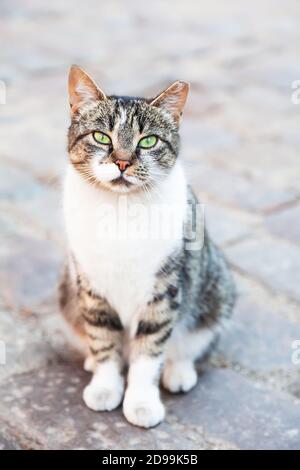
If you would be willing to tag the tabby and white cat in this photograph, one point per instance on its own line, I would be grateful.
(152, 303)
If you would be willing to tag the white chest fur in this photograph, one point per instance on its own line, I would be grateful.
(121, 241)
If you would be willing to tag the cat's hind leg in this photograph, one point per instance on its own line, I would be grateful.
(104, 336)
(100, 331)
(183, 349)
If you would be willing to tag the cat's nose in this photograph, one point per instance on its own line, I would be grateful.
(123, 164)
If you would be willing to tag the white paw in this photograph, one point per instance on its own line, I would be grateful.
(143, 408)
(179, 376)
(105, 391)
(89, 364)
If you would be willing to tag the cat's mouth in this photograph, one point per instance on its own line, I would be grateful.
(121, 181)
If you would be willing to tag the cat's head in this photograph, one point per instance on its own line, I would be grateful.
(123, 143)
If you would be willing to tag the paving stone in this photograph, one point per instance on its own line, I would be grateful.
(201, 138)
(26, 347)
(46, 161)
(285, 223)
(224, 411)
(17, 185)
(46, 410)
(29, 270)
(10, 228)
(275, 263)
(259, 340)
(225, 226)
(237, 190)
(272, 71)
(6, 445)
(226, 404)
(265, 159)
(33, 202)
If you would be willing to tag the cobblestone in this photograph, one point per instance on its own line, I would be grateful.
(260, 340)
(285, 223)
(26, 347)
(275, 263)
(29, 272)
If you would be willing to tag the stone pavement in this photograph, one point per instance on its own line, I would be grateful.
(240, 145)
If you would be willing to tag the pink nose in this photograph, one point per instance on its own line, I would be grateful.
(122, 164)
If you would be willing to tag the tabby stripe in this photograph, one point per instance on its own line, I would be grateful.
(77, 139)
(164, 337)
(169, 267)
(102, 359)
(155, 353)
(104, 349)
(157, 298)
(104, 321)
(94, 351)
(170, 146)
(111, 121)
(172, 290)
(92, 337)
(150, 328)
(174, 305)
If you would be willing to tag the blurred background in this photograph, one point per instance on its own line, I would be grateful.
(240, 144)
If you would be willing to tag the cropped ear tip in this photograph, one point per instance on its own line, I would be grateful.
(75, 69)
(185, 85)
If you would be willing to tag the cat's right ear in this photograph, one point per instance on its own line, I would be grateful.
(173, 99)
(82, 89)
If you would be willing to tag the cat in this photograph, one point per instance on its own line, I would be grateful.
(153, 303)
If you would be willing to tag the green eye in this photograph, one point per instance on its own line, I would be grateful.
(101, 138)
(147, 142)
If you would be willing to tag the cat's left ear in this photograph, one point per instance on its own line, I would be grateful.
(173, 99)
(82, 89)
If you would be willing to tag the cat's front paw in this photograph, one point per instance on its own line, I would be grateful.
(104, 392)
(143, 408)
(179, 376)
